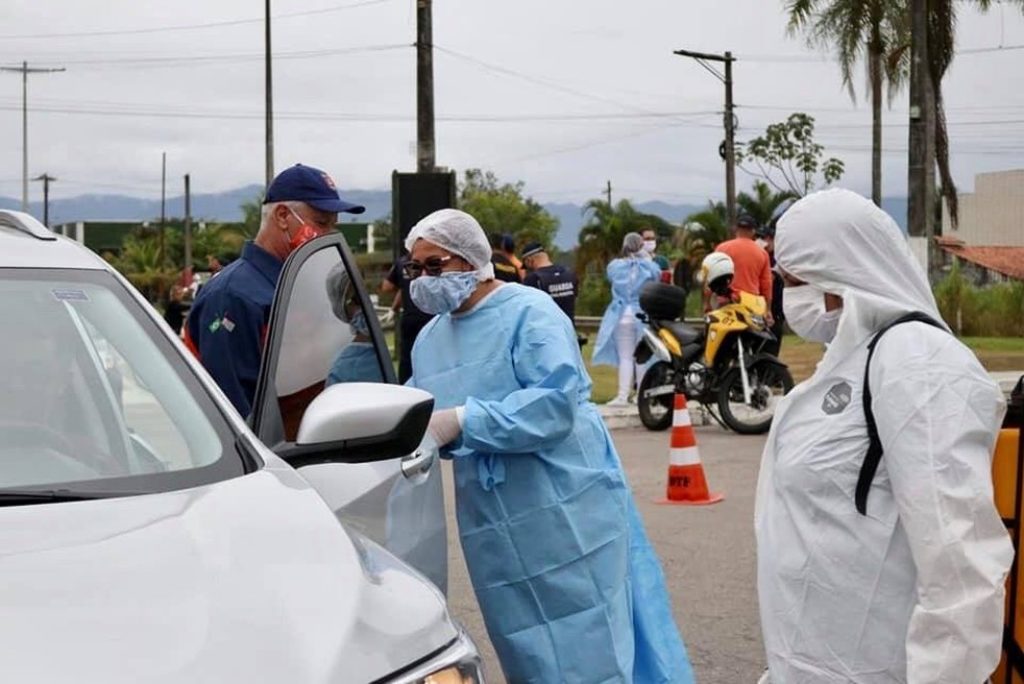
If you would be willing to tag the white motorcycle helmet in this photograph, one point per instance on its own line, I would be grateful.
(716, 273)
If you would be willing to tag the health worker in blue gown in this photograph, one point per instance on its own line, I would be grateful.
(356, 361)
(568, 584)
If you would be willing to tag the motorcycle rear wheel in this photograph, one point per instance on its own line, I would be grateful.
(656, 411)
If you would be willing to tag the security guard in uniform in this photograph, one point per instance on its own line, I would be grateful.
(558, 281)
(505, 269)
(227, 325)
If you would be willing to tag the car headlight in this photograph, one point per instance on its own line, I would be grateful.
(457, 664)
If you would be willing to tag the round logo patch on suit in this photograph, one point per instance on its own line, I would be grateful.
(837, 399)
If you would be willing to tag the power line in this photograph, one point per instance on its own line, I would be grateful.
(825, 59)
(595, 143)
(190, 60)
(546, 83)
(190, 27)
(129, 110)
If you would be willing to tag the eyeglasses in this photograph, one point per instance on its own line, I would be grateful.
(432, 267)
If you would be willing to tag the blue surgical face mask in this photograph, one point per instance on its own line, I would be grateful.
(444, 293)
(359, 324)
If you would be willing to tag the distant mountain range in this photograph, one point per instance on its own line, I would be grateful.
(226, 206)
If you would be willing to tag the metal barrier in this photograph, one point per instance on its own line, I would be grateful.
(592, 323)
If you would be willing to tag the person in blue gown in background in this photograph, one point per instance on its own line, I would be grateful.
(357, 361)
(620, 328)
(567, 581)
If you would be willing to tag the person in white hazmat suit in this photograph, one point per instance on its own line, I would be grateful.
(912, 589)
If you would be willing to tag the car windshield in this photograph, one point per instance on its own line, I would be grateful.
(95, 397)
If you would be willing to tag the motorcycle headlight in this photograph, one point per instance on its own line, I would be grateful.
(457, 664)
(758, 321)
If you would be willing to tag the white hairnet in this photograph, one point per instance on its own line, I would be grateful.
(841, 243)
(460, 234)
(633, 243)
(339, 288)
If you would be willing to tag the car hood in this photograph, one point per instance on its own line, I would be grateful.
(251, 579)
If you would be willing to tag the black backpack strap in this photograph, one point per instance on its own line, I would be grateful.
(875, 450)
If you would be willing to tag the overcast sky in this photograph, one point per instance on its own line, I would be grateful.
(562, 95)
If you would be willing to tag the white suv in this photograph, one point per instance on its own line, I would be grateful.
(147, 533)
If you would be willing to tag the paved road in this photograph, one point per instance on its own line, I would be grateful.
(707, 553)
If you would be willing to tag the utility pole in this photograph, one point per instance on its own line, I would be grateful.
(729, 121)
(24, 70)
(46, 179)
(608, 191)
(163, 214)
(270, 99)
(921, 138)
(426, 153)
(188, 224)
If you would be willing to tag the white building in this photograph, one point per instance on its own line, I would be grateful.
(992, 215)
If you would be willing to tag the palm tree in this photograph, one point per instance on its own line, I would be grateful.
(705, 230)
(601, 236)
(941, 49)
(763, 202)
(876, 29)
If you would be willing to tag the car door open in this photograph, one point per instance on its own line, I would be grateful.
(328, 403)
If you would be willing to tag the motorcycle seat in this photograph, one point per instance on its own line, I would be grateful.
(684, 332)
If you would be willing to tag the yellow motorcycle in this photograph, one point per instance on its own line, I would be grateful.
(720, 364)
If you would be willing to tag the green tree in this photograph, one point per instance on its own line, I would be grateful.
(252, 216)
(762, 203)
(703, 231)
(139, 262)
(788, 157)
(503, 208)
(606, 226)
(875, 31)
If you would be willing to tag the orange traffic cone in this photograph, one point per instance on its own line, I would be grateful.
(687, 485)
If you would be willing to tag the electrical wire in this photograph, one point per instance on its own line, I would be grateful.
(546, 83)
(189, 60)
(190, 27)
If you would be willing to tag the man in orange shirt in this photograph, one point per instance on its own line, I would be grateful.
(753, 266)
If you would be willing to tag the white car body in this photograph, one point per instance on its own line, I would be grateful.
(252, 578)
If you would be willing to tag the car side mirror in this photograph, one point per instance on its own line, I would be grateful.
(360, 422)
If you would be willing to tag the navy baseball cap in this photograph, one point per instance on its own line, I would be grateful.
(746, 221)
(314, 187)
(532, 248)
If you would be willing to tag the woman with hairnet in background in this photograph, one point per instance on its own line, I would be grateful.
(568, 584)
(620, 328)
(892, 573)
(356, 361)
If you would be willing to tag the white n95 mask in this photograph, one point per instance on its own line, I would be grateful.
(804, 307)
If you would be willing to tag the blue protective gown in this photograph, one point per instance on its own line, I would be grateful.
(627, 276)
(357, 362)
(568, 584)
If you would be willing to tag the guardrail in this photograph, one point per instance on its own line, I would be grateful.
(583, 323)
(592, 323)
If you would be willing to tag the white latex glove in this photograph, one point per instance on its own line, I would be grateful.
(387, 318)
(445, 425)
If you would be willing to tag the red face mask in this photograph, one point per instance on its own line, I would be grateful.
(302, 235)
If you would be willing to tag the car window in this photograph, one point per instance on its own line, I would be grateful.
(326, 337)
(95, 394)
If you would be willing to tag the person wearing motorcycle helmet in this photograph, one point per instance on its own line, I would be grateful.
(716, 273)
(753, 271)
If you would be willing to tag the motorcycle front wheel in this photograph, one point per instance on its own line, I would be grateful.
(769, 382)
(656, 397)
